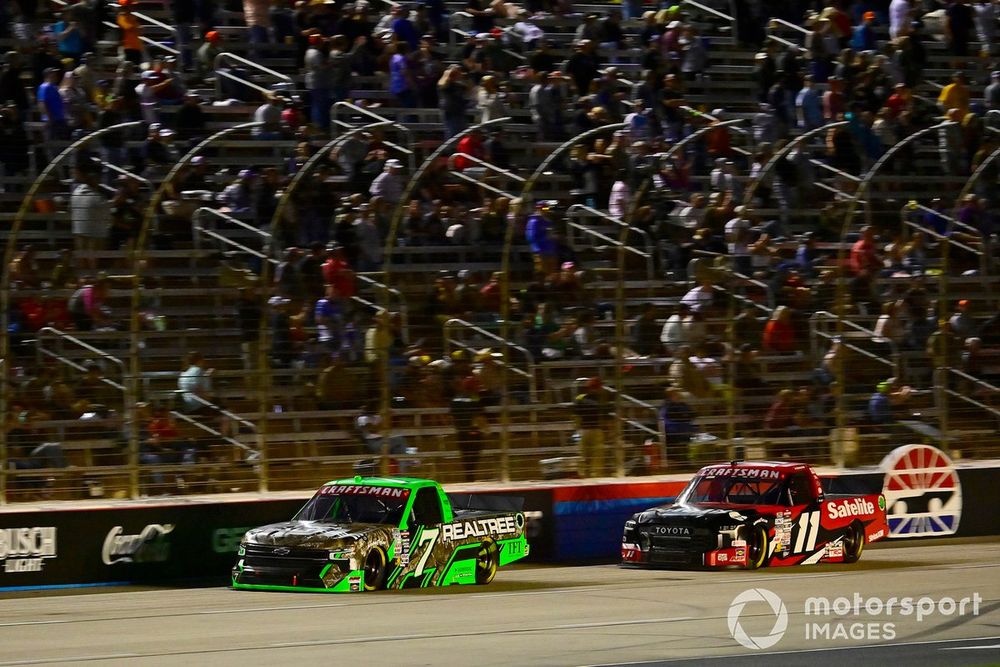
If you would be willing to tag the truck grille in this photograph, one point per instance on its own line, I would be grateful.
(290, 559)
(678, 549)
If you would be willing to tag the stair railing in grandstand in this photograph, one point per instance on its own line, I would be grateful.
(225, 56)
(799, 141)
(444, 149)
(646, 257)
(716, 13)
(199, 229)
(488, 166)
(584, 211)
(775, 23)
(523, 202)
(650, 411)
(454, 325)
(139, 260)
(861, 195)
(8, 257)
(377, 121)
(149, 42)
(945, 394)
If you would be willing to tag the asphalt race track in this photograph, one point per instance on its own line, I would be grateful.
(595, 615)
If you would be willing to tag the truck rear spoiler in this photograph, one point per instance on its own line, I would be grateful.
(490, 502)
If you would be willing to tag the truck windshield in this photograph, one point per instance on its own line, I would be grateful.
(339, 503)
(732, 490)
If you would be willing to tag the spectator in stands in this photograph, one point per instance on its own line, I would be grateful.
(779, 420)
(809, 106)
(864, 252)
(469, 417)
(899, 18)
(591, 410)
(28, 451)
(52, 107)
(191, 121)
(126, 214)
(958, 27)
(195, 386)
(863, 36)
(206, 55)
(677, 417)
(453, 92)
(89, 214)
(779, 333)
(159, 151)
(991, 95)
(955, 95)
(370, 244)
(131, 32)
(701, 297)
(490, 99)
(962, 322)
(884, 404)
(369, 426)
(390, 183)
(945, 346)
(258, 19)
(539, 235)
(646, 332)
(269, 115)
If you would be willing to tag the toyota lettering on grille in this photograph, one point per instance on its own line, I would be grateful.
(282, 551)
(672, 530)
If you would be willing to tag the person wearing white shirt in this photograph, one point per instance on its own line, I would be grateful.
(619, 199)
(899, 18)
(672, 334)
(389, 184)
(700, 297)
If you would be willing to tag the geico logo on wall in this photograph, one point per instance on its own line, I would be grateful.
(150, 545)
(25, 549)
(923, 494)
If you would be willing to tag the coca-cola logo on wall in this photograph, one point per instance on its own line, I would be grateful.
(150, 545)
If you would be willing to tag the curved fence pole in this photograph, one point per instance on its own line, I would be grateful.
(505, 261)
(967, 189)
(390, 244)
(5, 287)
(781, 154)
(861, 194)
(139, 254)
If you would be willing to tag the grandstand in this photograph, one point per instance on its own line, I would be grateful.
(391, 242)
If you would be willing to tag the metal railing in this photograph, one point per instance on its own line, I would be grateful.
(528, 373)
(405, 149)
(224, 56)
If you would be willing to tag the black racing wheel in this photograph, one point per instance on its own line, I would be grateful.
(487, 561)
(375, 569)
(757, 546)
(854, 543)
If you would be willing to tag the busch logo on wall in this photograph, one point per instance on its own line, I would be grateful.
(923, 494)
(149, 546)
(25, 549)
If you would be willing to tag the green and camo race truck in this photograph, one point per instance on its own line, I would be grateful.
(369, 533)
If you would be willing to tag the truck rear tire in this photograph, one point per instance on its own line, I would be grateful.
(854, 543)
(487, 562)
(757, 547)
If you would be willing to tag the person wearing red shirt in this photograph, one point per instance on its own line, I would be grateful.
(779, 333)
(470, 144)
(864, 253)
(337, 272)
(900, 100)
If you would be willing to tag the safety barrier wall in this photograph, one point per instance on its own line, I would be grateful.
(174, 542)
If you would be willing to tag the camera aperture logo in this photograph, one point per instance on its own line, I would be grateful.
(777, 608)
(856, 618)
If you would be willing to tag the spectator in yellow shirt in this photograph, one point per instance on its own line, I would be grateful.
(955, 95)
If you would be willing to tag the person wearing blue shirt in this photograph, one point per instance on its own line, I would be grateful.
(400, 77)
(863, 37)
(69, 38)
(879, 406)
(404, 30)
(538, 234)
(52, 106)
(809, 104)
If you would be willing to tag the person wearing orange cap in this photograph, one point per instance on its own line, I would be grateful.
(863, 35)
(131, 31)
(591, 411)
(205, 56)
